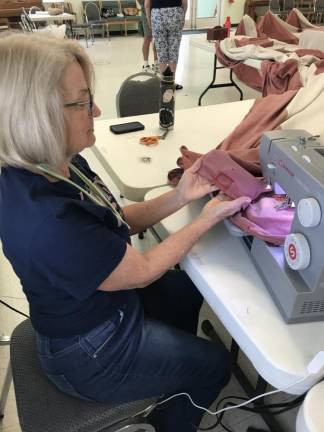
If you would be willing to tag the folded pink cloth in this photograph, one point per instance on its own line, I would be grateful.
(278, 77)
(266, 217)
(271, 27)
(220, 169)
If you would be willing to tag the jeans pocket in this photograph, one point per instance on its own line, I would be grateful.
(97, 339)
(65, 386)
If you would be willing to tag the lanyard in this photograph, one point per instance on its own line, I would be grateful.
(98, 198)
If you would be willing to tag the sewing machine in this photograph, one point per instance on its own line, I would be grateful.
(294, 273)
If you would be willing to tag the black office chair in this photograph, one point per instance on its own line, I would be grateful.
(139, 94)
(43, 408)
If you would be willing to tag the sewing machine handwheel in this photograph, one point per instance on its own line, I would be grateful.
(297, 251)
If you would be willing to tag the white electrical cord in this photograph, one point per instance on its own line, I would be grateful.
(315, 368)
(234, 406)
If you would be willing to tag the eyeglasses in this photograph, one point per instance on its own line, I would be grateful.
(88, 103)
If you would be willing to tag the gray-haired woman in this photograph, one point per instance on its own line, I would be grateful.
(68, 241)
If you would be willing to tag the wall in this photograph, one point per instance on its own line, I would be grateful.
(234, 10)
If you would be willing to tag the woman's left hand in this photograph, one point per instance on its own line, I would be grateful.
(192, 185)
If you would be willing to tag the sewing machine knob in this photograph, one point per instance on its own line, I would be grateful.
(309, 212)
(297, 251)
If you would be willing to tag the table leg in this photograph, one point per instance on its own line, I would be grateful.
(5, 341)
(235, 85)
(251, 391)
(212, 82)
(213, 85)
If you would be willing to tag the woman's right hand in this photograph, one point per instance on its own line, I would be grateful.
(222, 207)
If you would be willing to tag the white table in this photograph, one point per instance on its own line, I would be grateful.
(200, 129)
(45, 16)
(202, 43)
(221, 268)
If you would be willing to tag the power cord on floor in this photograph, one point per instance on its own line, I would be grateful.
(283, 407)
(235, 406)
(12, 308)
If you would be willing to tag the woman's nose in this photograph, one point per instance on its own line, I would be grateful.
(96, 112)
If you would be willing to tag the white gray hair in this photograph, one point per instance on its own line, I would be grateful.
(32, 125)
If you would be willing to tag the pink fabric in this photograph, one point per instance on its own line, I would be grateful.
(249, 75)
(265, 114)
(240, 30)
(263, 219)
(294, 20)
(279, 77)
(269, 26)
(220, 169)
(319, 67)
(243, 143)
(313, 52)
(263, 41)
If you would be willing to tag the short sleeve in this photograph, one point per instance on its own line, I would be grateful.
(76, 251)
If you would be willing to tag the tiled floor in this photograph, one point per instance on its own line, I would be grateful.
(114, 61)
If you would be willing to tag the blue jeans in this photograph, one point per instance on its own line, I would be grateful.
(160, 356)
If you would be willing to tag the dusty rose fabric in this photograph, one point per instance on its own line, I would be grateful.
(264, 42)
(249, 75)
(269, 26)
(243, 143)
(294, 20)
(265, 219)
(220, 169)
(319, 67)
(312, 52)
(279, 77)
(265, 114)
(240, 30)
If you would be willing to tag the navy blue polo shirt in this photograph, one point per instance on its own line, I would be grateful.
(62, 246)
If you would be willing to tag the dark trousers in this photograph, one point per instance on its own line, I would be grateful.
(168, 358)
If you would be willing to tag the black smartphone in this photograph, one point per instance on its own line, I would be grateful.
(126, 127)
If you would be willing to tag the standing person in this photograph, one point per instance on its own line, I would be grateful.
(146, 44)
(166, 19)
(112, 323)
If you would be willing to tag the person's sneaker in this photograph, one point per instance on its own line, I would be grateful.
(146, 68)
(178, 87)
(155, 68)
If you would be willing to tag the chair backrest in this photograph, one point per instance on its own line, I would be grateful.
(319, 5)
(25, 24)
(274, 6)
(288, 5)
(33, 9)
(31, 24)
(43, 408)
(92, 12)
(138, 94)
